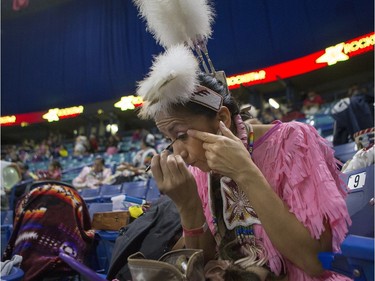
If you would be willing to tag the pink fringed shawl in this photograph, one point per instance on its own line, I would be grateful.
(301, 168)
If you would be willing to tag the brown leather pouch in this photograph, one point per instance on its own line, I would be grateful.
(178, 265)
(110, 220)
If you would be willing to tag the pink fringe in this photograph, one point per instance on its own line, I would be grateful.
(301, 168)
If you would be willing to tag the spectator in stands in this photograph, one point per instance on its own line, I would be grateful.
(112, 144)
(81, 145)
(141, 160)
(94, 176)
(312, 103)
(93, 143)
(27, 145)
(137, 135)
(11, 154)
(352, 114)
(293, 114)
(54, 172)
(25, 172)
(42, 151)
(63, 152)
(267, 116)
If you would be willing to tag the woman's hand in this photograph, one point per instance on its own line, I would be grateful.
(225, 154)
(175, 180)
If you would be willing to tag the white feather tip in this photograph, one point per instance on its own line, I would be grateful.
(172, 80)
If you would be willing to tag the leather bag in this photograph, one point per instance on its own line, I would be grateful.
(178, 265)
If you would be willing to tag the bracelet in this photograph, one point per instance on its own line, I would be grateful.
(196, 231)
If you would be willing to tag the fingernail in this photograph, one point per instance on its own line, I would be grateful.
(222, 124)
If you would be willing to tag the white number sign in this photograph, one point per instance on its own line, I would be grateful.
(357, 181)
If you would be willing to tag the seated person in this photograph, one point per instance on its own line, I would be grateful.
(93, 177)
(81, 145)
(54, 172)
(312, 103)
(142, 159)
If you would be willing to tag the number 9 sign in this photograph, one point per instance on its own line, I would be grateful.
(357, 181)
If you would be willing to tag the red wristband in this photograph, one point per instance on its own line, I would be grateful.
(196, 231)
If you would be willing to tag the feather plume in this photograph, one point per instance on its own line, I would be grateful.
(173, 22)
(172, 79)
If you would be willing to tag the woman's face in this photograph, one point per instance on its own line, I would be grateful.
(175, 126)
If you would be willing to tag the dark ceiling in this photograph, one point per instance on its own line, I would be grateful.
(64, 53)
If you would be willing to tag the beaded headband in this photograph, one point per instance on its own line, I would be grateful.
(182, 27)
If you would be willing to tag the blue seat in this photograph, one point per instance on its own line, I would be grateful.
(97, 207)
(153, 192)
(135, 189)
(345, 152)
(3, 215)
(106, 242)
(356, 260)
(91, 195)
(361, 191)
(8, 218)
(6, 228)
(6, 231)
(108, 191)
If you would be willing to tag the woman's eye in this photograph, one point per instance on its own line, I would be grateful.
(182, 136)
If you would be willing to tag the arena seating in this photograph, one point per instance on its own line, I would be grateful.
(356, 260)
(90, 195)
(361, 210)
(135, 189)
(108, 191)
(345, 152)
(6, 228)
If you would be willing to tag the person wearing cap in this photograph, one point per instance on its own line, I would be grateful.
(93, 176)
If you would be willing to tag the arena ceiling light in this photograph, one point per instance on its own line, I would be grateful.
(274, 103)
(129, 102)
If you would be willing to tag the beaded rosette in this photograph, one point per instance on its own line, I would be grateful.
(238, 214)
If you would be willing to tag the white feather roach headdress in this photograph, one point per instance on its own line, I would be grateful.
(182, 27)
(173, 22)
(172, 79)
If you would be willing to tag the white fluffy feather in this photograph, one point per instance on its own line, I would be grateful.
(174, 22)
(172, 79)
